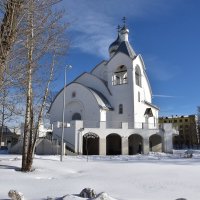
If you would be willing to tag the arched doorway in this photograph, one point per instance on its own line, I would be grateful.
(135, 143)
(76, 116)
(113, 144)
(90, 144)
(155, 143)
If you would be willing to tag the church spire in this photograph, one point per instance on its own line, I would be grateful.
(121, 44)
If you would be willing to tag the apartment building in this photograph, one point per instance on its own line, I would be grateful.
(188, 132)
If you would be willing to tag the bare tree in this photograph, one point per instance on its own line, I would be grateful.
(9, 109)
(31, 39)
(43, 38)
(12, 10)
(10, 19)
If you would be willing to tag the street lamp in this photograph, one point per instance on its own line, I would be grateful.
(63, 113)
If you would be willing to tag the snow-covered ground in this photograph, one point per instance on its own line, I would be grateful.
(156, 176)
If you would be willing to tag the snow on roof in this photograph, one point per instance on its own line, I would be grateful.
(101, 99)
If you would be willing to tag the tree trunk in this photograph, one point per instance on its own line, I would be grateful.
(28, 126)
(39, 120)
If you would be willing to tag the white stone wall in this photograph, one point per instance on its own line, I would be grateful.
(145, 95)
(102, 131)
(83, 103)
(121, 94)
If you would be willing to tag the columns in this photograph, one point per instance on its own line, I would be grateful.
(145, 145)
(80, 142)
(124, 145)
(102, 146)
(64, 148)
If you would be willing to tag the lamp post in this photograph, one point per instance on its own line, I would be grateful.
(63, 113)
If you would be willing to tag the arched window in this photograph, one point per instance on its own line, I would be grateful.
(120, 76)
(120, 108)
(76, 116)
(73, 94)
(138, 76)
(138, 96)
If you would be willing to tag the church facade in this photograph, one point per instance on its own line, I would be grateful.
(110, 109)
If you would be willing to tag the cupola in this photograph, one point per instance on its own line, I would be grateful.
(114, 46)
(121, 44)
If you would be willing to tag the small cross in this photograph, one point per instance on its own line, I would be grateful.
(124, 20)
(118, 28)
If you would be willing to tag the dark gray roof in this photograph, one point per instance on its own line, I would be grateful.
(126, 48)
(101, 99)
(114, 46)
(115, 43)
(150, 104)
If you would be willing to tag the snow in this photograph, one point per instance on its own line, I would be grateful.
(156, 176)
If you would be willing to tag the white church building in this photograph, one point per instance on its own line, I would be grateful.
(110, 109)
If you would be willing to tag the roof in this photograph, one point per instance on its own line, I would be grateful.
(126, 48)
(114, 46)
(7, 132)
(101, 99)
(93, 75)
(150, 104)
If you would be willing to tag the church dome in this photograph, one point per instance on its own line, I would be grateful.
(114, 46)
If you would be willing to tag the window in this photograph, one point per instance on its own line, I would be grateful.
(138, 76)
(175, 121)
(148, 112)
(138, 96)
(186, 120)
(76, 116)
(120, 76)
(73, 94)
(180, 120)
(120, 109)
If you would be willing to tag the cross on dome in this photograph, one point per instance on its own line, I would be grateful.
(124, 21)
(121, 44)
(118, 28)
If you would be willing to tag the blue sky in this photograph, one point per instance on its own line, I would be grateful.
(165, 32)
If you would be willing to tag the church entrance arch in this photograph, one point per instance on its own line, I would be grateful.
(113, 144)
(135, 142)
(155, 143)
(90, 144)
